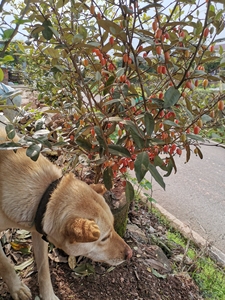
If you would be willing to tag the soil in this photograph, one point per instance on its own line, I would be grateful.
(144, 277)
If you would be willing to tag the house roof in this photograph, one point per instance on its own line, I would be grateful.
(218, 45)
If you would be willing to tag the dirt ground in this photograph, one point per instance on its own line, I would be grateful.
(146, 276)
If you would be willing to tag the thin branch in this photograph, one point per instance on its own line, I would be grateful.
(15, 30)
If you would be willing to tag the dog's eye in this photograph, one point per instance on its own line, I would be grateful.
(105, 238)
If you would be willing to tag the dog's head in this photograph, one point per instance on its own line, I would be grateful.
(82, 224)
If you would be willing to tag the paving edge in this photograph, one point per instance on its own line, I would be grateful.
(214, 253)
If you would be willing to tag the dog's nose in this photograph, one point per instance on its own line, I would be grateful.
(128, 253)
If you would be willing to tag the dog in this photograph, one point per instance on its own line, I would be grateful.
(62, 209)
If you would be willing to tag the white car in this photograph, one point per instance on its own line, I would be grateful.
(13, 101)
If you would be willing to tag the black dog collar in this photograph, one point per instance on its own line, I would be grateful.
(42, 208)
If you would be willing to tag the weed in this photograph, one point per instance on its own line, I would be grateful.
(210, 279)
(207, 274)
(141, 188)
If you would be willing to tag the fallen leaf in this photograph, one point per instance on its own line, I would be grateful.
(157, 274)
(72, 262)
(24, 265)
(22, 247)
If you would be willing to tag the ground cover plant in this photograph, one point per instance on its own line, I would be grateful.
(204, 269)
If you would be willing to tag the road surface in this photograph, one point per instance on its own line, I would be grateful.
(196, 194)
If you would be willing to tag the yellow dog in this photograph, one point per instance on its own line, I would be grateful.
(70, 214)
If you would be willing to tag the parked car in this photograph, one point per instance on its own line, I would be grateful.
(13, 100)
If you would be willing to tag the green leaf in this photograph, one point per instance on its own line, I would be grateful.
(171, 97)
(83, 143)
(60, 46)
(158, 275)
(155, 174)
(93, 44)
(139, 142)
(7, 58)
(21, 21)
(1, 75)
(57, 69)
(54, 53)
(21, 47)
(62, 3)
(135, 133)
(108, 84)
(120, 72)
(141, 165)
(7, 34)
(220, 50)
(100, 137)
(33, 151)
(10, 146)
(125, 90)
(55, 32)
(195, 137)
(129, 191)
(169, 168)
(170, 123)
(149, 123)
(118, 150)
(159, 162)
(83, 31)
(147, 185)
(108, 178)
(10, 131)
(206, 118)
(47, 32)
(84, 269)
(113, 28)
(109, 102)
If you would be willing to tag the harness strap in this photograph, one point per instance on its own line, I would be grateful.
(42, 207)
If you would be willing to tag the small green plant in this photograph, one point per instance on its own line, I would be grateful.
(176, 237)
(207, 274)
(210, 279)
(142, 188)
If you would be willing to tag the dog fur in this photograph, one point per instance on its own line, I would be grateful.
(77, 219)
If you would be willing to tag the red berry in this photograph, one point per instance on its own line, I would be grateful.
(179, 151)
(111, 40)
(166, 148)
(220, 105)
(197, 129)
(173, 147)
(206, 32)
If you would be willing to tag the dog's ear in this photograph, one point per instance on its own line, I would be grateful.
(98, 188)
(82, 231)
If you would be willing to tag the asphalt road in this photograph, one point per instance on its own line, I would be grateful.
(196, 194)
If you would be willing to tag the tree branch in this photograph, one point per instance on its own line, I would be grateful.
(16, 28)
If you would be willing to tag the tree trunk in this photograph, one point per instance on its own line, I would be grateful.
(119, 207)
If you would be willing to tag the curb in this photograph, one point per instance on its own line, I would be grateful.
(214, 253)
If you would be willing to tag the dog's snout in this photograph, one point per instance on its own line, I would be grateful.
(128, 253)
